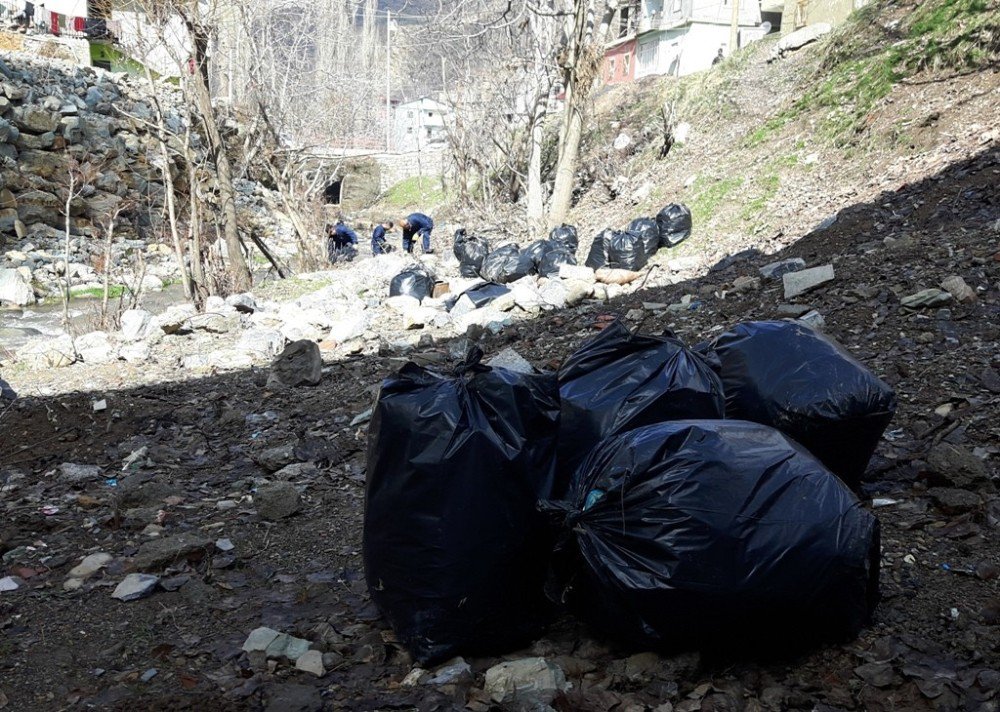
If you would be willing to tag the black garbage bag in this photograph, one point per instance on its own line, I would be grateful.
(470, 251)
(416, 282)
(538, 249)
(626, 250)
(566, 236)
(598, 258)
(648, 232)
(455, 550)
(674, 223)
(715, 534)
(507, 264)
(553, 260)
(793, 378)
(483, 294)
(618, 381)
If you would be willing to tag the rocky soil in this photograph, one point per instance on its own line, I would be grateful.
(240, 504)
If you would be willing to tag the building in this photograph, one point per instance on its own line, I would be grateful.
(676, 37)
(799, 13)
(420, 124)
(619, 61)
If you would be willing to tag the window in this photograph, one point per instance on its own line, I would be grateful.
(409, 114)
(409, 129)
(626, 64)
(430, 114)
(611, 67)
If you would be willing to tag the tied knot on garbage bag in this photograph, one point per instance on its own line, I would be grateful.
(472, 363)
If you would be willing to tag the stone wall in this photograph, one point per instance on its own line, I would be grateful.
(396, 167)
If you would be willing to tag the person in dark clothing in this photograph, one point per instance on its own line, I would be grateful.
(718, 58)
(341, 242)
(417, 224)
(379, 246)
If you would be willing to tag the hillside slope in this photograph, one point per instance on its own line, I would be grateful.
(774, 149)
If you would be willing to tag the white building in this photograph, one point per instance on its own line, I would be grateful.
(680, 37)
(420, 124)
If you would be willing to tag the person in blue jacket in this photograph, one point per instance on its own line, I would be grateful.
(417, 224)
(379, 246)
(341, 237)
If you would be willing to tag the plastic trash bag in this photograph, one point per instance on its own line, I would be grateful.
(715, 534)
(483, 294)
(470, 251)
(597, 258)
(538, 249)
(648, 232)
(553, 260)
(617, 381)
(674, 222)
(416, 282)
(507, 264)
(455, 550)
(793, 378)
(566, 236)
(627, 250)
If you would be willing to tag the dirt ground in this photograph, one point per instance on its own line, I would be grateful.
(935, 643)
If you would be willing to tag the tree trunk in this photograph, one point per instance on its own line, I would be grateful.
(168, 184)
(580, 75)
(239, 271)
(536, 201)
(570, 134)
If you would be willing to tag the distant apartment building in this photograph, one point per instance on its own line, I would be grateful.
(420, 124)
(675, 37)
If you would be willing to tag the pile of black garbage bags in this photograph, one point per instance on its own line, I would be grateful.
(628, 249)
(670, 497)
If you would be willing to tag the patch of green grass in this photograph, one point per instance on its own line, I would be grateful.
(769, 188)
(709, 197)
(114, 291)
(291, 288)
(864, 60)
(416, 191)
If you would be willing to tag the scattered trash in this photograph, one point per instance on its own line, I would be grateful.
(133, 461)
(713, 532)
(788, 376)
(362, 418)
(883, 502)
(9, 583)
(100, 406)
(531, 680)
(619, 380)
(50, 510)
(455, 466)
